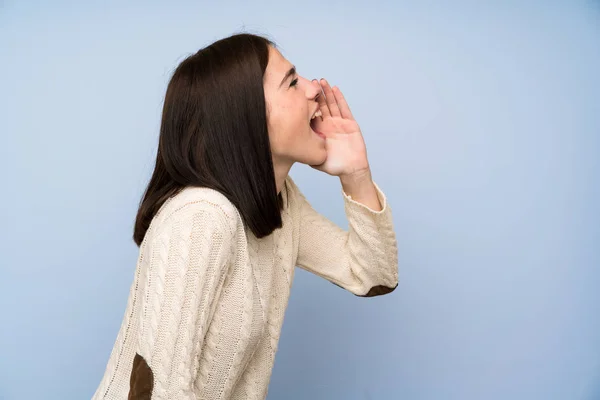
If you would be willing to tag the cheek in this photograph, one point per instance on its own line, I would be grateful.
(278, 131)
(287, 124)
(283, 124)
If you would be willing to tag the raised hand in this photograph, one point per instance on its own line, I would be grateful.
(346, 150)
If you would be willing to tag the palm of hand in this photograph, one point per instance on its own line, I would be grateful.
(346, 150)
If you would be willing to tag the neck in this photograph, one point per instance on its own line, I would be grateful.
(282, 170)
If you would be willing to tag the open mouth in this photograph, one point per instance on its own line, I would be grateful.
(312, 127)
(315, 117)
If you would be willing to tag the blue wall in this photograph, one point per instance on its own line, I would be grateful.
(483, 127)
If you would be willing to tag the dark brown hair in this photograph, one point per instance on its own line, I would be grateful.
(213, 134)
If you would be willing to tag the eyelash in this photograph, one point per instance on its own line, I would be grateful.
(294, 82)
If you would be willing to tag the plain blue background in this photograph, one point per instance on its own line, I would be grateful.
(482, 122)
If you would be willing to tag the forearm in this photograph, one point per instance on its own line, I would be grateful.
(363, 259)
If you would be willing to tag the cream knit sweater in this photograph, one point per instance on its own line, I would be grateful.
(207, 302)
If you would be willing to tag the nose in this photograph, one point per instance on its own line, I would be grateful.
(314, 90)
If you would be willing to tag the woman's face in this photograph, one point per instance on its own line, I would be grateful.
(291, 102)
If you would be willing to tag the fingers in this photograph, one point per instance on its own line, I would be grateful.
(333, 103)
(342, 104)
(334, 110)
(322, 103)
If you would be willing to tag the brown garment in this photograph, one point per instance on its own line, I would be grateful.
(379, 290)
(141, 382)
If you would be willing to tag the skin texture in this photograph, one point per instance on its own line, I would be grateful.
(335, 145)
(289, 108)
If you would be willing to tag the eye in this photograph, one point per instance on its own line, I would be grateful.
(294, 82)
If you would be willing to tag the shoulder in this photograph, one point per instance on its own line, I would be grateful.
(211, 205)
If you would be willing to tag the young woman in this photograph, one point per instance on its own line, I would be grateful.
(221, 225)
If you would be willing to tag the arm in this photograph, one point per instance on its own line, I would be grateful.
(362, 260)
(197, 249)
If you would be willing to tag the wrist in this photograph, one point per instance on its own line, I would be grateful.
(357, 179)
(360, 188)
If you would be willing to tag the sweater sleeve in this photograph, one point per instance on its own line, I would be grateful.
(197, 249)
(363, 259)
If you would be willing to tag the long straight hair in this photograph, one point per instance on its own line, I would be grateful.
(214, 134)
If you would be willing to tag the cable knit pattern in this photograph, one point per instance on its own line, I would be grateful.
(207, 303)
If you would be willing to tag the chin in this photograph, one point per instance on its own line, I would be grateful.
(316, 159)
(313, 153)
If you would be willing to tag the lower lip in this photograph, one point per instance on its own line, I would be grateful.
(320, 134)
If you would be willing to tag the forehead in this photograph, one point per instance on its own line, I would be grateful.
(277, 67)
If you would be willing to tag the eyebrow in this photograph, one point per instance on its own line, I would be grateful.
(292, 71)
